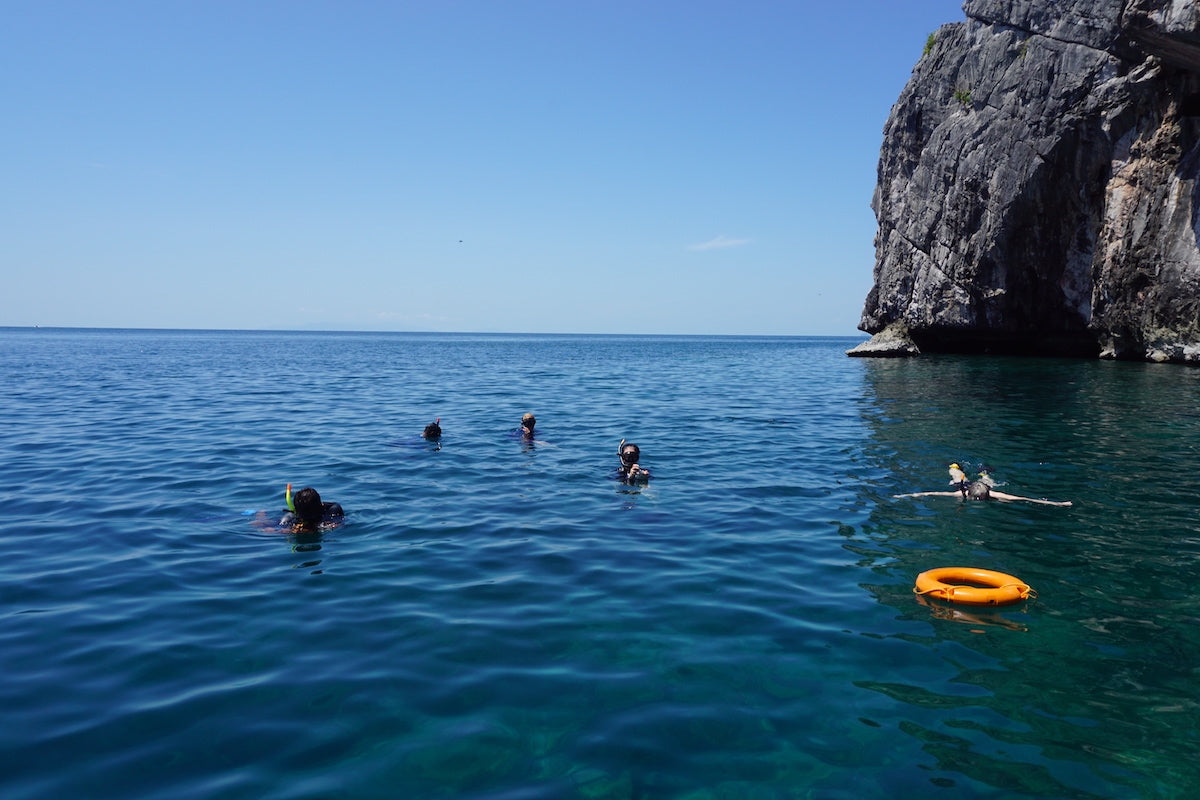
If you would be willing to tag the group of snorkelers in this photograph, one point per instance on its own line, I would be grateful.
(628, 470)
(433, 431)
(307, 512)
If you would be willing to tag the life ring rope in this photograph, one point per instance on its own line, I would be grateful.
(1026, 591)
(984, 587)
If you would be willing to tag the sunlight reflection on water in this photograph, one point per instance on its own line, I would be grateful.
(499, 619)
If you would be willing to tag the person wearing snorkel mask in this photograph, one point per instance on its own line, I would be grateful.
(528, 421)
(307, 512)
(629, 470)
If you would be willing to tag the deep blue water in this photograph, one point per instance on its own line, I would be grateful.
(498, 620)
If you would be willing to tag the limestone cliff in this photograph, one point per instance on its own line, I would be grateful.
(1038, 186)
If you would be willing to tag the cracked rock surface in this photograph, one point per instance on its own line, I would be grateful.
(1037, 188)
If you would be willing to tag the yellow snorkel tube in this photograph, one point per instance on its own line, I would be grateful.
(287, 498)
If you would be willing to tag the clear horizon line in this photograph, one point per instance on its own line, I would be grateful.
(857, 334)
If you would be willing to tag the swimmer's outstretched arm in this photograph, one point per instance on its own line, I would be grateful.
(930, 494)
(1004, 496)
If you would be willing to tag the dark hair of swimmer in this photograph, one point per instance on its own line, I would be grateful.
(978, 491)
(308, 506)
(433, 430)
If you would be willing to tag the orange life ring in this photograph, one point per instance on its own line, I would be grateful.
(983, 587)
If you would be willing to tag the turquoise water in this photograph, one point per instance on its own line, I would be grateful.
(499, 620)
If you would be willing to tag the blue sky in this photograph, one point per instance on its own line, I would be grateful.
(612, 166)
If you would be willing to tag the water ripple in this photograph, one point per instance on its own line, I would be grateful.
(501, 619)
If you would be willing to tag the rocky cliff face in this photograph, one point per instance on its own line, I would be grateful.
(1038, 186)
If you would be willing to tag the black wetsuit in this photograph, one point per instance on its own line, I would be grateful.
(621, 473)
(330, 512)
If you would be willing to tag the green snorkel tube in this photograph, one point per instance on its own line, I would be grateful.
(287, 498)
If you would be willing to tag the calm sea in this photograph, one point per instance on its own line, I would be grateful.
(501, 620)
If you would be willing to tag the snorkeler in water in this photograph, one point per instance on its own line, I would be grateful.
(307, 512)
(433, 431)
(982, 488)
(526, 433)
(528, 421)
(629, 470)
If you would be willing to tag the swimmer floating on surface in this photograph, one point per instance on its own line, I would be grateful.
(981, 489)
(433, 434)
